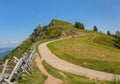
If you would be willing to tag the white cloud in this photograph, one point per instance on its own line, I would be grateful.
(15, 42)
(10, 42)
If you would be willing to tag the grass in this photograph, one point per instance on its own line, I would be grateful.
(35, 78)
(72, 78)
(52, 70)
(94, 50)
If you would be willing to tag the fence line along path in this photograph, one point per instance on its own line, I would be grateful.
(60, 64)
(22, 65)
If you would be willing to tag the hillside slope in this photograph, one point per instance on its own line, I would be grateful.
(56, 29)
(94, 50)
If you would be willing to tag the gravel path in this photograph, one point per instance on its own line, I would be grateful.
(50, 79)
(60, 64)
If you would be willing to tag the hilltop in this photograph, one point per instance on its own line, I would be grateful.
(55, 29)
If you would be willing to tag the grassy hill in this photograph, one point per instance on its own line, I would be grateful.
(44, 33)
(93, 50)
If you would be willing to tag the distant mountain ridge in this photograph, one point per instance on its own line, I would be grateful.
(5, 51)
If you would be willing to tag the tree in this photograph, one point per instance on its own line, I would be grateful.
(108, 33)
(95, 28)
(117, 34)
(79, 25)
(118, 39)
(83, 26)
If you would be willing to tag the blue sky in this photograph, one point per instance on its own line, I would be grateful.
(18, 18)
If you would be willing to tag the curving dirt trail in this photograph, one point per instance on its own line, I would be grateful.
(60, 64)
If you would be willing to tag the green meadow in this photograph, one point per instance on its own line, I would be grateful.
(92, 50)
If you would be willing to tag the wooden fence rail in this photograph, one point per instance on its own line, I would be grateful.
(22, 65)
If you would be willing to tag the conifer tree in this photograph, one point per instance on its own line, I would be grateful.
(108, 33)
(118, 39)
(95, 28)
(82, 26)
